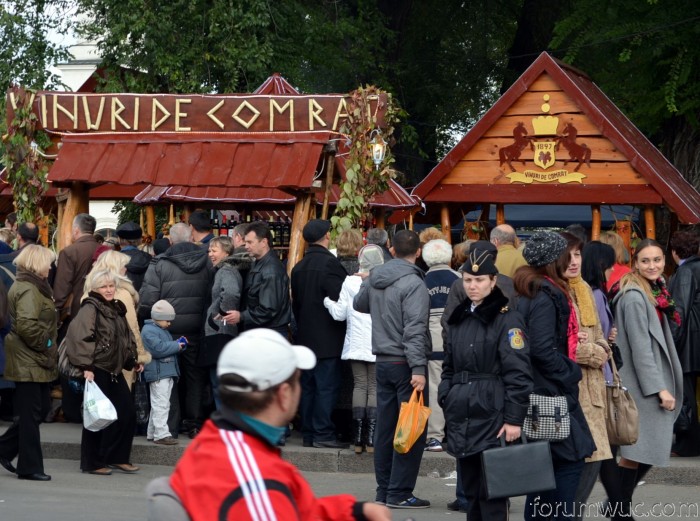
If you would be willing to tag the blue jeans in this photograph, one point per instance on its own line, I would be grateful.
(319, 393)
(396, 473)
(557, 504)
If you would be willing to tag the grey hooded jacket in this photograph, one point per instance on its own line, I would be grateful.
(398, 301)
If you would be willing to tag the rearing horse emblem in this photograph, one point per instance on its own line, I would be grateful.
(577, 152)
(512, 152)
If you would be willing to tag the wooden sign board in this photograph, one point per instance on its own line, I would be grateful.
(79, 112)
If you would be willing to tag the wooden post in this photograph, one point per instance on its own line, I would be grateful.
(410, 219)
(595, 222)
(445, 222)
(381, 218)
(188, 210)
(649, 222)
(77, 201)
(330, 158)
(299, 220)
(171, 214)
(500, 214)
(151, 221)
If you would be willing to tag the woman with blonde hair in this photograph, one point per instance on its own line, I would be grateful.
(348, 244)
(622, 257)
(30, 350)
(100, 343)
(651, 370)
(115, 262)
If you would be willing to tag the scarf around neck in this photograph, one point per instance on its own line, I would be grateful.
(583, 298)
(24, 275)
(664, 301)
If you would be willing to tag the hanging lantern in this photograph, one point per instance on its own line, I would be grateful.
(378, 146)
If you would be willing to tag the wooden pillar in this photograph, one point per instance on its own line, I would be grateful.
(445, 222)
(151, 221)
(381, 218)
(171, 214)
(187, 211)
(299, 220)
(330, 158)
(500, 214)
(595, 222)
(649, 223)
(77, 201)
(410, 219)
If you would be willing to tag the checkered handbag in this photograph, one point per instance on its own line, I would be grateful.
(547, 418)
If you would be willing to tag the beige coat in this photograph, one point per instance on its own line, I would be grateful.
(591, 357)
(128, 295)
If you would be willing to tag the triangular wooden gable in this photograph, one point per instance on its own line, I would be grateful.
(555, 138)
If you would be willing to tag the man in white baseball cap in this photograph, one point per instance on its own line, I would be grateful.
(234, 462)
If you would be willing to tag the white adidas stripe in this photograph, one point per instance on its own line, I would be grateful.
(248, 474)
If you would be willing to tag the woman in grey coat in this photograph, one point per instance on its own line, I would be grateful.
(651, 369)
(225, 296)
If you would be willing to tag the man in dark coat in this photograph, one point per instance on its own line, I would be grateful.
(266, 294)
(130, 235)
(73, 264)
(182, 276)
(685, 290)
(318, 275)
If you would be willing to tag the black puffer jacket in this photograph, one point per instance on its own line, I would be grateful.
(182, 276)
(554, 373)
(685, 290)
(99, 336)
(138, 264)
(486, 379)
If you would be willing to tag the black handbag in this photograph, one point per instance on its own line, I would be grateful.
(142, 401)
(518, 469)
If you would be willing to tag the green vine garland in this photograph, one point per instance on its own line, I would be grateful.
(26, 171)
(363, 180)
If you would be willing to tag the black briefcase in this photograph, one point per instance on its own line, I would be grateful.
(518, 469)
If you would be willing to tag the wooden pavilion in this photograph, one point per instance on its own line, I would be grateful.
(271, 139)
(555, 138)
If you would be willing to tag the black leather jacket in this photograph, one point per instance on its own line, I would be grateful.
(266, 301)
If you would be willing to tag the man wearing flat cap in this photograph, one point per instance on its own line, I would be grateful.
(233, 469)
(130, 235)
(317, 276)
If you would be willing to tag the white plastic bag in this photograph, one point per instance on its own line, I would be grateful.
(98, 411)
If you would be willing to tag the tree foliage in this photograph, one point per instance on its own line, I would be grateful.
(642, 53)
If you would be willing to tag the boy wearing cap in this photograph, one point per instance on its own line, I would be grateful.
(233, 469)
(161, 372)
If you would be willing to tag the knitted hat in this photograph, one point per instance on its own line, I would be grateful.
(543, 248)
(315, 229)
(162, 310)
(479, 262)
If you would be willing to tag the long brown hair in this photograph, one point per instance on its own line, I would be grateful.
(527, 280)
(634, 277)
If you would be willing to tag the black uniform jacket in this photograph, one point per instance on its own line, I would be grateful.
(486, 377)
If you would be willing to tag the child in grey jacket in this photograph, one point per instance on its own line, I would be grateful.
(162, 371)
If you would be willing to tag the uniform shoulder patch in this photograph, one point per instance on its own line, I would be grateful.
(516, 338)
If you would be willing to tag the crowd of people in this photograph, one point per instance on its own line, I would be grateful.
(478, 328)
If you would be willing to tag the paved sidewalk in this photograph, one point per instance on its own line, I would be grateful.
(62, 441)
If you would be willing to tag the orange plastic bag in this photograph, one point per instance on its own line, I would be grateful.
(412, 419)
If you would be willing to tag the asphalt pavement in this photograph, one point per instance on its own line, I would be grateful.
(73, 496)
